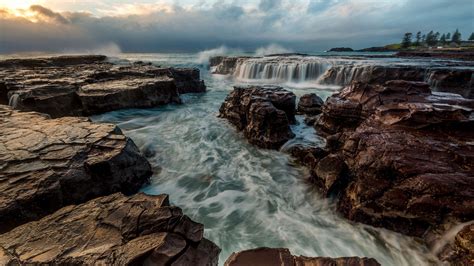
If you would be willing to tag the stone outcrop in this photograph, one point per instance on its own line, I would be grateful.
(224, 65)
(283, 257)
(341, 49)
(460, 81)
(46, 164)
(310, 104)
(88, 85)
(408, 155)
(111, 230)
(264, 114)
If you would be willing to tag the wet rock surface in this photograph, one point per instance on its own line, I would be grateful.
(87, 85)
(460, 81)
(264, 114)
(283, 257)
(46, 164)
(111, 230)
(310, 104)
(409, 155)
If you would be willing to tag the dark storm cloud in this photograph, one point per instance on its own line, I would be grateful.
(300, 25)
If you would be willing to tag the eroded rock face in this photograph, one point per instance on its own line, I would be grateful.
(283, 257)
(310, 104)
(408, 152)
(46, 164)
(87, 85)
(111, 230)
(263, 113)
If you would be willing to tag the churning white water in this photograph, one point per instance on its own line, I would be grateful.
(247, 197)
(281, 69)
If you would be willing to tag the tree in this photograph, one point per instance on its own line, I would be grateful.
(431, 38)
(406, 42)
(448, 37)
(443, 39)
(418, 38)
(423, 39)
(457, 37)
(437, 35)
(471, 38)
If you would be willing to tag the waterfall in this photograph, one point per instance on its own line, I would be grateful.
(281, 69)
(13, 101)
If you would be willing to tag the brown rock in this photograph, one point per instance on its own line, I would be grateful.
(283, 257)
(310, 104)
(263, 113)
(112, 230)
(408, 152)
(331, 174)
(50, 163)
(87, 85)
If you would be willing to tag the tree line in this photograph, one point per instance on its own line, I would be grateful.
(432, 39)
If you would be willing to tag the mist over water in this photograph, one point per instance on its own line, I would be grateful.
(247, 197)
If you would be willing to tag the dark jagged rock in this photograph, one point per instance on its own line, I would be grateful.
(310, 104)
(87, 85)
(111, 230)
(408, 153)
(341, 49)
(46, 164)
(283, 257)
(263, 113)
(187, 80)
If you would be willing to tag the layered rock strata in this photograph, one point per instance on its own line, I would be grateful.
(111, 230)
(46, 164)
(88, 85)
(264, 114)
(400, 156)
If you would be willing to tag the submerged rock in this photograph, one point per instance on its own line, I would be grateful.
(87, 85)
(46, 164)
(283, 257)
(263, 113)
(408, 153)
(112, 230)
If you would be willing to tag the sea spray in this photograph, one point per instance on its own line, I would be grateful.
(248, 197)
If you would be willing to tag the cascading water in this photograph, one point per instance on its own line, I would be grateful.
(13, 101)
(247, 197)
(281, 69)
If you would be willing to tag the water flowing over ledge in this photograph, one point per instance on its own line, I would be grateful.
(309, 71)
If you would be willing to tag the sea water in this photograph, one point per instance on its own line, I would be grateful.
(247, 197)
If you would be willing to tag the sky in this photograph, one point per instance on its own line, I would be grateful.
(196, 25)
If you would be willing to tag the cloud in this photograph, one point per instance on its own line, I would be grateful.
(48, 14)
(164, 25)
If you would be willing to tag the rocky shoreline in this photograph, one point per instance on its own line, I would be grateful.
(457, 77)
(398, 156)
(62, 176)
(89, 85)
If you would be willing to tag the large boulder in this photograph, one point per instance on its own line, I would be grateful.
(283, 257)
(101, 97)
(310, 104)
(408, 152)
(111, 230)
(46, 164)
(87, 85)
(263, 113)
